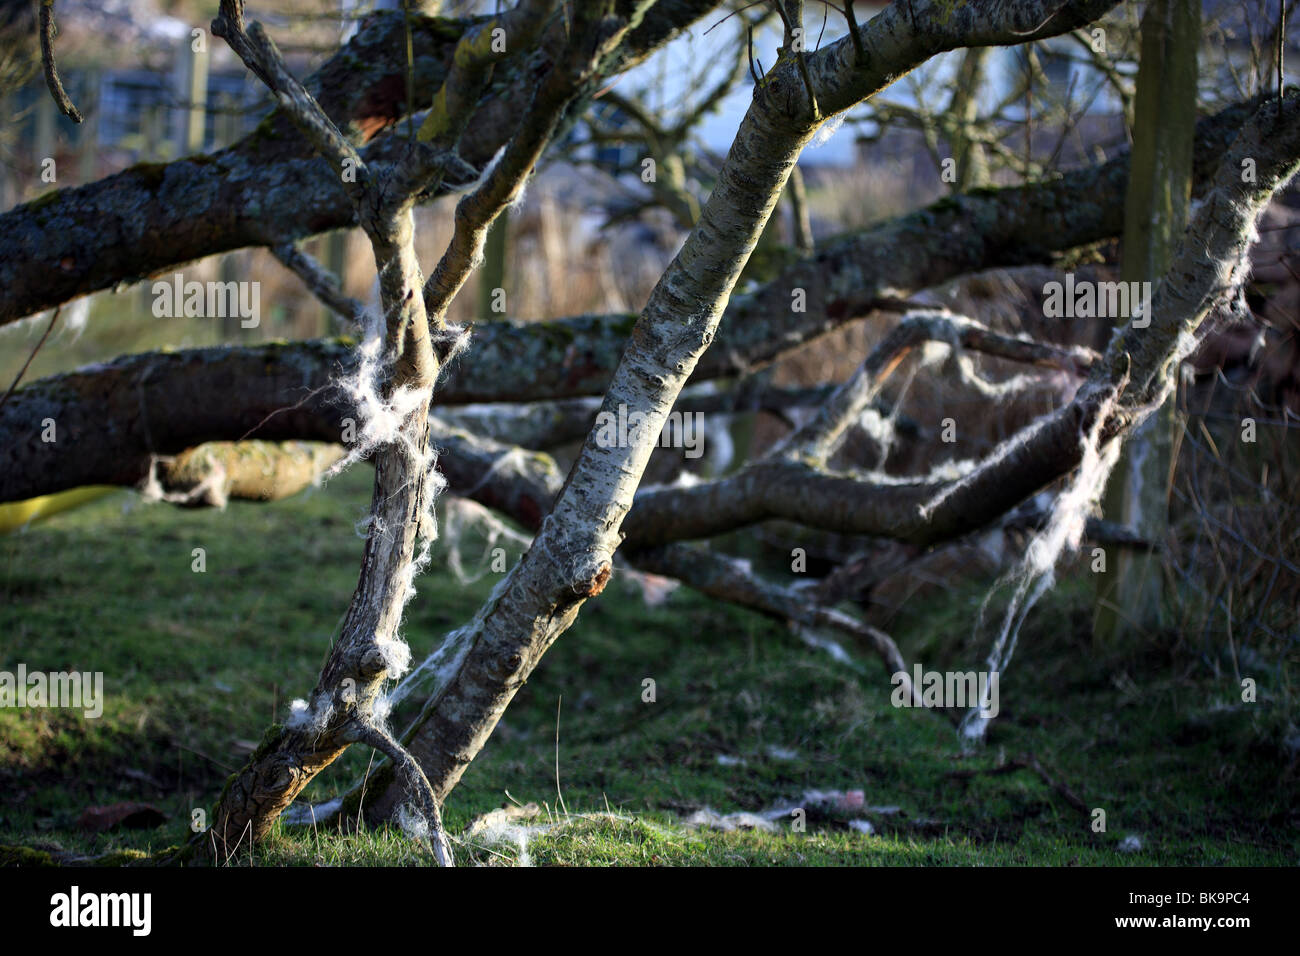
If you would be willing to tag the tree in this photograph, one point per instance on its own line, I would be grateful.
(540, 63)
(1155, 216)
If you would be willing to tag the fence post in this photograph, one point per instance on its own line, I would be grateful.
(1130, 594)
(192, 93)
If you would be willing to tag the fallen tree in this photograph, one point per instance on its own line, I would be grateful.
(692, 326)
(114, 417)
(271, 188)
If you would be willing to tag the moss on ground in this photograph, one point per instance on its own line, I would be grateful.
(746, 718)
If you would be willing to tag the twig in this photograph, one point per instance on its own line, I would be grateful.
(22, 371)
(260, 54)
(737, 12)
(559, 797)
(320, 282)
(1281, 47)
(417, 785)
(855, 33)
(819, 437)
(51, 68)
(799, 58)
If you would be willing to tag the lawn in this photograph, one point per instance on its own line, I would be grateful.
(746, 717)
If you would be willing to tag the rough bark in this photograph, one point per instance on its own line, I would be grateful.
(1130, 593)
(111, 418)
(213, 473)
(1138, 368)
(1136, 371)
(571, 557)
(269, 188)
(369, 649)
(342, 709)
(1209, 265)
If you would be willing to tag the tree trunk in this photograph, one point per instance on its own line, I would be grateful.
(1130, 590)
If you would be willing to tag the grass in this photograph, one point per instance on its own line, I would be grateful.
(196, 665)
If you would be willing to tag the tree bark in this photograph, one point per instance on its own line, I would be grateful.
(112, 418)
(1131, 591)
(267, 189)
(571, 558)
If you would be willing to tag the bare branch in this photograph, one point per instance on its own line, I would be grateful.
(855, 34)
(23, 371)
(415, 783)
(320, 282)
(478, 50)
(727, 579)
(592, 40)
(264, 191)
(52, 79)
(820, 436)
(259, 53)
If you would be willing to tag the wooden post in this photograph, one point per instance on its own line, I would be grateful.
(192, 92)
(232, 267)
(153, 129)
(1130, 591)
(7, 197)
(972, 164)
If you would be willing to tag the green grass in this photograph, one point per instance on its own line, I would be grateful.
(198, 664)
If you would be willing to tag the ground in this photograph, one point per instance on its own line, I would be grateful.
(746, 717)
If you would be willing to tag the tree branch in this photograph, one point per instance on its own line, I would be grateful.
(52, 79)
(320, 282)
(113, 417)
(267, 189)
